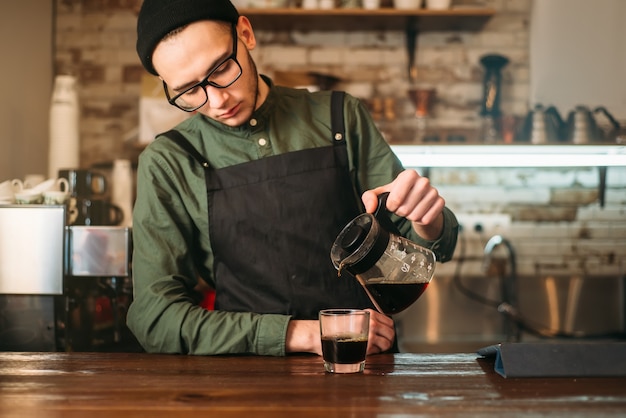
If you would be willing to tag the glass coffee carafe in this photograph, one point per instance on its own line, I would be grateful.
(393, 270)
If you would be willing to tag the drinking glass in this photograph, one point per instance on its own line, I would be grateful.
(344, 339)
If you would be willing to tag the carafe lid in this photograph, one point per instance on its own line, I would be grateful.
(359, 245)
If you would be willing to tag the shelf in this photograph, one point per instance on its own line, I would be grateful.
(285, 19)
(418, 156)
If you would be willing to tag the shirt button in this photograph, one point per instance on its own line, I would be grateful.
(262, 142)
(253, 122)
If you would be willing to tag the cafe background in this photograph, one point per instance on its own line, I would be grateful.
(563, 229)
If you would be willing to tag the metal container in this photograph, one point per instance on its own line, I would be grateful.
(574, 306)
(27, 323)
(560, 306)
(31, 249)
(445, 320)
(98, 251)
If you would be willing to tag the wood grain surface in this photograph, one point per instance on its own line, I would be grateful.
(122, 385)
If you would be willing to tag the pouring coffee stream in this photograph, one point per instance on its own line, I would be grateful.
(393, 270)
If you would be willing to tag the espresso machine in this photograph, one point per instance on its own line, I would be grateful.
(97, 282)
(63, 287)
(31, 276)
(98, 288)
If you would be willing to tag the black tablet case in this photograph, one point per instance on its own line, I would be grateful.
(558, 359)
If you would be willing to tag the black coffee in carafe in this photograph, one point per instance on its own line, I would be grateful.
(393, 270)
(392, 298)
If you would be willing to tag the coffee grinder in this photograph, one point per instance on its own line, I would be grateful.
(490, 112)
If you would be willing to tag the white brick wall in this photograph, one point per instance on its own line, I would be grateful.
(593, 243)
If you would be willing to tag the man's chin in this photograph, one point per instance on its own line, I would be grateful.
(238, 119)
(233, 122)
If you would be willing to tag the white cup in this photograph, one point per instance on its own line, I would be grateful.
(55, 197)
(8, 189)
(28, 197)
(407, 4)
(438, 4)
(310, 4)
(60, 184)
(31, 180)
(371, 4)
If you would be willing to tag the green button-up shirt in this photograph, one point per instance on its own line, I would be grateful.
(171, 242)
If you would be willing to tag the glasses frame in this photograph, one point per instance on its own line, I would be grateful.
(206, 82)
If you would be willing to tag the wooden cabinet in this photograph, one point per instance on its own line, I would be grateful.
(361, 19)
(410, 21)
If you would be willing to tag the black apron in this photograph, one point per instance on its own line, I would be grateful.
(272, 224)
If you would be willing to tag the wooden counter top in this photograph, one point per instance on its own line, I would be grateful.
(122, 385)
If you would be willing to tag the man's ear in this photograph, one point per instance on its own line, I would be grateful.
(245, 33)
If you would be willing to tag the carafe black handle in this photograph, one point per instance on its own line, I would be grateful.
(382, 215)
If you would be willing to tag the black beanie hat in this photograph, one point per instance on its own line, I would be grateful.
(157, 18)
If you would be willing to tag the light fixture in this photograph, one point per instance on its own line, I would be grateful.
(414, 156)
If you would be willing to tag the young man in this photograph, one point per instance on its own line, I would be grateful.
(250, 193)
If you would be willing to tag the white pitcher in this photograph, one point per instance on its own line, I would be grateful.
(122, 194)
(64, 130)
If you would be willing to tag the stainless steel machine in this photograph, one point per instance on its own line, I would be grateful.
(62, 288)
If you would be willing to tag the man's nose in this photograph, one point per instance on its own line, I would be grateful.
(216, 96)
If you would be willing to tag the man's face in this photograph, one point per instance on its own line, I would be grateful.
(187, 57)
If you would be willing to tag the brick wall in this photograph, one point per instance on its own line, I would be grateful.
(554, 215)
(95, 40)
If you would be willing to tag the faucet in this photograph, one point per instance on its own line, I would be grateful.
(508, 292)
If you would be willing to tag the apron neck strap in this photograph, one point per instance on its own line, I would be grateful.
(336, 116)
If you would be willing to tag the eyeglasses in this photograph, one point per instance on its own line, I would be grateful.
(223, 75)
